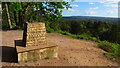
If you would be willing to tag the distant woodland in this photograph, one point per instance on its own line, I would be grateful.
(103, 30)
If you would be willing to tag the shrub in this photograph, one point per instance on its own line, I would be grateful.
(107, 46)
(49, 30)
(113, 50)
(95, 39)
(82, 36)
(17, 28)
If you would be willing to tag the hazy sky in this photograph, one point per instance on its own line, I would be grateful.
(104, 9)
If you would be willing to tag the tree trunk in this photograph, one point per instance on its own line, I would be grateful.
(15, 18)
(20, 21)
(8, 16)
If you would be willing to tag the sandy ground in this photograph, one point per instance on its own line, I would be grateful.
(72, 52)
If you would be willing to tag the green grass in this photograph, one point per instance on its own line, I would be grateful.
(82, 36)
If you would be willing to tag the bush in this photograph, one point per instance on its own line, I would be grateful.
(67, 33)
(107, 46)
(17, 28)
(113, 50)
(82, 36)
(49, 30)
(94, 39)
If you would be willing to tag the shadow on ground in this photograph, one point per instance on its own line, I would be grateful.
(19, 43)
(9, 54)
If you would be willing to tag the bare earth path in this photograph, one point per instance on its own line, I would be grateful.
(72, 52)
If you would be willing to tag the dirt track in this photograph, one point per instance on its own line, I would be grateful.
(72, 52)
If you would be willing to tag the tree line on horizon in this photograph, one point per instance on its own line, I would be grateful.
(103, 30)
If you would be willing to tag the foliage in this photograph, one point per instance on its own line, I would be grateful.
(105, 45)
(82, 36)
(21, 12)
(113, 49)
(103, 30)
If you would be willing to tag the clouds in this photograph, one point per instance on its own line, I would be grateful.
(74, 5)
(91, 12)
(94, 1)
(114, 11)
(107, 2)
(110, 12)
(71, 10)
(111, 5)
(91, 3)
(102, 2)
(113, 1)
(95, 8)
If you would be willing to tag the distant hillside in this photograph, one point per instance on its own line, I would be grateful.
(90, 18)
